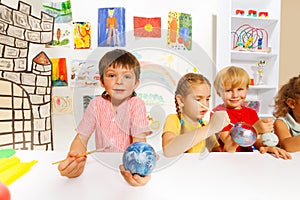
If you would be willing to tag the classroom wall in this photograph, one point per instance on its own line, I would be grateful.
(289, 44)
(205, 40)
(203, 27)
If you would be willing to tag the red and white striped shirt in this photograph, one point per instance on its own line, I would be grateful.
(114, 129)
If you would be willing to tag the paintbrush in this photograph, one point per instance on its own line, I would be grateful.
(83, 154)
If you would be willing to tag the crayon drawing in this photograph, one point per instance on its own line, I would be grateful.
(179, 31)
(111, 27)
(59, 72)
(59, 9)
(61, 36)
(62, 104)
(147, 27)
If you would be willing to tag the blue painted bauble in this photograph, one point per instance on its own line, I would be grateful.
(243, 134)
(139, 158)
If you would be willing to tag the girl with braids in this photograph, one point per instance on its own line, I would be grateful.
(186, 131)
(287, 112)
(117, 118)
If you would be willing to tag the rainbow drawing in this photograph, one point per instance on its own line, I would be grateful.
(152, 73)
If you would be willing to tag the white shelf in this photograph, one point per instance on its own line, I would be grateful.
(248, 58)
(251, 55)
(254, 21)
(262, 87)
(265, 116)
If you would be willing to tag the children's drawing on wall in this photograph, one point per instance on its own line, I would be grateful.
(111, 27)
(157, 87)
(84, 73)
(82, 35)
(61, 35)
(62, 105)
(179, 31)
(86, 100)
(59, 72)
(147, 27)
(59, 9)
(26, 90)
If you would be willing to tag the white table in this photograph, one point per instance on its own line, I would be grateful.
(219, 176)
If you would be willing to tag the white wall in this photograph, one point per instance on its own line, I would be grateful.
(207, 16)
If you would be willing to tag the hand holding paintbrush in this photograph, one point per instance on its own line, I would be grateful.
(83, 154)
(211, 111)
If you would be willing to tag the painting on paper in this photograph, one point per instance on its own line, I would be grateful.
(61, 36)
(82, 35)
(62, 104)
(59, 72)
(147, 27)
(111, 27)
(84, 73)
(86, 99)
(179, 31)
(59, 9)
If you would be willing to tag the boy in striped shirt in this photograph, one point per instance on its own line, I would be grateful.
(117, 117)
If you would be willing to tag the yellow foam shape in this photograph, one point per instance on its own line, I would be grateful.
(6, 163)
(16, 171)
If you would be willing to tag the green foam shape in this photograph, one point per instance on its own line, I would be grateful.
(6, 153)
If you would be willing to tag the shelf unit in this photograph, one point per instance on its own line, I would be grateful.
(248, 59)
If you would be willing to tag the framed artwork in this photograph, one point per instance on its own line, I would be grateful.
(147, 27)
(111, 27)
(82, 35)
(179, 31)
(59, 72)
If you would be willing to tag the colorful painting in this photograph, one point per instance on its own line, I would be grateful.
(62, 104)
(84, 73)
(59, 9)
(61, 36)
(82, 35)
(111, 27)
(147, 27)
(59, 72)
(179, 31)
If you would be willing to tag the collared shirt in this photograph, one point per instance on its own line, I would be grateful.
(114, 128)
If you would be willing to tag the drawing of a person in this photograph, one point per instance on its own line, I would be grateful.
(111, 27)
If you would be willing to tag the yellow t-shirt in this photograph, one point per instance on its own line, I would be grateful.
(172, 124)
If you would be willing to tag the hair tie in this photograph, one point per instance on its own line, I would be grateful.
(181, 121)
(201, 122)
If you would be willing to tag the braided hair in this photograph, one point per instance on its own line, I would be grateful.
(184, 88)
